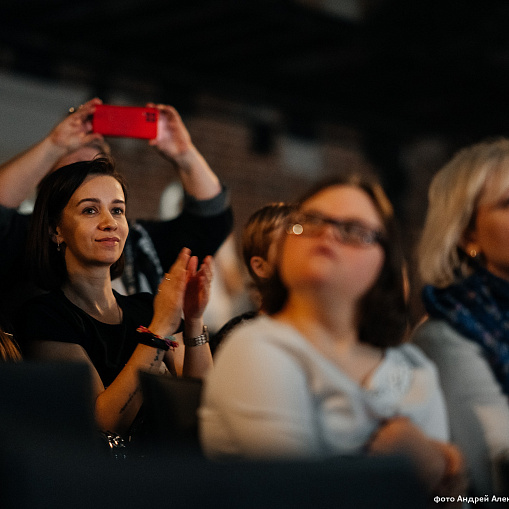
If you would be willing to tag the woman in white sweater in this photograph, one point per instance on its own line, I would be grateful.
(326, 373)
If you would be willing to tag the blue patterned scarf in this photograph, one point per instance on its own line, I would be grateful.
(478, 308)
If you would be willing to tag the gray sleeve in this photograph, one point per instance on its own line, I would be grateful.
(478, 410)
(211, 207)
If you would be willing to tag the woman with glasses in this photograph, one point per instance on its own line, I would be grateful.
(327, 372)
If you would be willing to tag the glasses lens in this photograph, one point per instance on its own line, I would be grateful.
(350, 232)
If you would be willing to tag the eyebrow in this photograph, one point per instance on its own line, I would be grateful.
(96, 200)
(345, 219)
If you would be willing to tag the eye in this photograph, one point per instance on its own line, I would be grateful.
(89, 211)
(503, 203)
(352, 228)
(118, 211)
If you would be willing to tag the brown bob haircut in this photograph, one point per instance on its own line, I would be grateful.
(258, 232)
(55, 191)
(383, 311)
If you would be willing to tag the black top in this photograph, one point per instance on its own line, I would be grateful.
(52, 317)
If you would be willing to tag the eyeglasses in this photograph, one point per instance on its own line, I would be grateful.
(349, 232)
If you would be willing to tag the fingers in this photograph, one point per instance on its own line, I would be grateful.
(87, 109)
(179, 267)
(207, 268)
(192, 266)
(165, 108)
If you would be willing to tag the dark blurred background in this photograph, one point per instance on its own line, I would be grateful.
(276, 94)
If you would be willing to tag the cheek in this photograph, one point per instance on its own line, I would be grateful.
(287, 258)
(493, 233)
(369, 267)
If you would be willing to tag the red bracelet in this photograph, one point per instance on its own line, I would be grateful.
(170, 342)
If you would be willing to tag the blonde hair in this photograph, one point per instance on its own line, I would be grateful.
(453, 198)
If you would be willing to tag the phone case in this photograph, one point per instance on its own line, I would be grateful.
(125, 121)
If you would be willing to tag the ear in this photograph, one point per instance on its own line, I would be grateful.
(261, 267)
(55, 235)
(469, 244)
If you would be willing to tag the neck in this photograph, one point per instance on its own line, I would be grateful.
(320, 320)
(92, 292)
(334, 334)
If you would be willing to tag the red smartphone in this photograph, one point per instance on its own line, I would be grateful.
(125, 121)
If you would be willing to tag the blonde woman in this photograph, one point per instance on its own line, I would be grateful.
(464, 266)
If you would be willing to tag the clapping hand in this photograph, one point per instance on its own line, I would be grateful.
(198, 287)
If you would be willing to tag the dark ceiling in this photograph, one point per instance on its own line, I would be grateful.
(405, 67)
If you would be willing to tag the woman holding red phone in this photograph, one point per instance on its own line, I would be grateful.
(152, 245)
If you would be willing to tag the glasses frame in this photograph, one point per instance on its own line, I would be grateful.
(348, 231)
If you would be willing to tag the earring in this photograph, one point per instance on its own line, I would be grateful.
(472, 253)
(58, 246)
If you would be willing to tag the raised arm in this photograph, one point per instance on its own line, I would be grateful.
(20, 175)
(174, 143)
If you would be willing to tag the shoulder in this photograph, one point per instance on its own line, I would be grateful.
(264, 343)
(411, 355)
(229, 326)
(261, 330)
(438, 339)
(47, 302)
(463, 366)
(432, 328)
(49, 317)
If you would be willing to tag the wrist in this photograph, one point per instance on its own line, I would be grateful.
(197, 340)
(162, 329)
(193, 326)
(187, 158)
(150, 338)
(54, 149)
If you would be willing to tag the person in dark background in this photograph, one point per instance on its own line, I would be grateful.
(152, 246)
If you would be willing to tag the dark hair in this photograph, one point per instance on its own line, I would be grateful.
(383, 311)
(55, 191)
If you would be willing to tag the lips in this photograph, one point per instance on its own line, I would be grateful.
(109, 241)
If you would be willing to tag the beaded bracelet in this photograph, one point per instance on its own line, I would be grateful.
(155, 341)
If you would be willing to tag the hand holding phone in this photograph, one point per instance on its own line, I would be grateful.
(125, 121)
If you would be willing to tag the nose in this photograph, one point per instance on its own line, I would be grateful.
(108, 222)
(330, 231)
